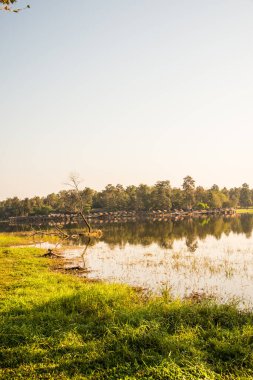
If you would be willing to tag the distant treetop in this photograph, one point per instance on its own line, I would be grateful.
(7, 5)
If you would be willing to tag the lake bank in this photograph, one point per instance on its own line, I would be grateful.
(60, 326)
(101, 217)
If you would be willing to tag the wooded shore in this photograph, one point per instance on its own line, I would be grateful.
(97, 217)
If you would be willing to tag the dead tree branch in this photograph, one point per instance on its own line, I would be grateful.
(74, 183)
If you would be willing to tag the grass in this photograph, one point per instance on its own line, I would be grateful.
(244, 210)
(9, 239)
(57, 326)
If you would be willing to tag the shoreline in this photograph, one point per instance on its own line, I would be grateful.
(117, 216)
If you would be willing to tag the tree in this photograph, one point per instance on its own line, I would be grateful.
(8, 6)
(177, 198)
(201, 196)
(245, 196)
(215, 188)
(87, 195)
(234, 196)
(143, 197)
(132, 197)
(161, 196)
(189, 191)
(113, 198)
(216, 198)
(78, 204)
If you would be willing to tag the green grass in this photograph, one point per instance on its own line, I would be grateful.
(9, 239)
(244, 211)
(57, 326)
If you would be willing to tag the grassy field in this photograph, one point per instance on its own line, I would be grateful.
(244, 211)
(57, 326)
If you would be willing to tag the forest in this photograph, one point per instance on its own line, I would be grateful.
(161, 196)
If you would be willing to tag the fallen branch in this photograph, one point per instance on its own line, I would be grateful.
(51, 254)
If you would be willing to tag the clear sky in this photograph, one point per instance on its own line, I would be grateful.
(126, 91)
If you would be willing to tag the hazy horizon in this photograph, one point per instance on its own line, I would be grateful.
(126, 92)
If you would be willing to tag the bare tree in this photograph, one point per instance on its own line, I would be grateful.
(79, 205)
(74, 203)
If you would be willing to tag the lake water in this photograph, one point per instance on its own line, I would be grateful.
(209, 256)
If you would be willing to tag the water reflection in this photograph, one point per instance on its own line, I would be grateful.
(165, 233)
(204, 255)
(211, 256)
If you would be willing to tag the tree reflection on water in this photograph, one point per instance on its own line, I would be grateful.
(165, 233)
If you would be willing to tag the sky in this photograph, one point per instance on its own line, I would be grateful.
(125, 91)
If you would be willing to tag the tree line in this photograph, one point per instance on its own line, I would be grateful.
(161, 196)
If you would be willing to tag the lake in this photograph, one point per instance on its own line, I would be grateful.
(210, 257)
